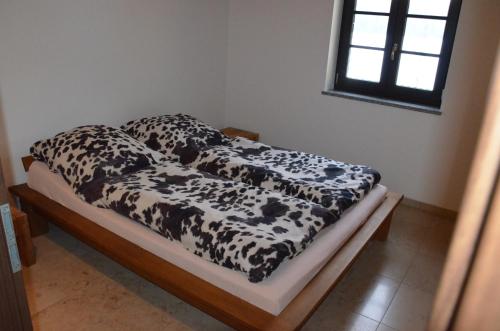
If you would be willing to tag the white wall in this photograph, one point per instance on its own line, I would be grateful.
(65, 63)
(276, 70)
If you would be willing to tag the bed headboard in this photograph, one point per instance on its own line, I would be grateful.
(27, 161)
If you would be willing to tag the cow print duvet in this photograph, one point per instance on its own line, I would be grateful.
(241, 227)
(246, 221)
(332, 184)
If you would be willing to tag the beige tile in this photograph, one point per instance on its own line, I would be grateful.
(332, 316)
(425, 273)
(77, 312)
(410, 309)
(48, 249)
(438, 239)
(411, 226)
(73, 287)
(114, 298)
(407, 233)
(388, 259)
(383, 327)
(55, 276)
(368, 295)
(186, 317)
(60, 271)
(144, 290)
(414, 216)
(132, 304)
(340, 321)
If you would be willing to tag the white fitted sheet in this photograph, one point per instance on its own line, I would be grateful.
(271, 295)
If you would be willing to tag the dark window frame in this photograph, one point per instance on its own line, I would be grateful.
(387, 88)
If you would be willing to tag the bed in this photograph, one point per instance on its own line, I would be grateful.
(228, 298)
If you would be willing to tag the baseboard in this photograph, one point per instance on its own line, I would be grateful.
(431, 209)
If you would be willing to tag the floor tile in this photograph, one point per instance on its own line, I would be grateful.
(368, 295)
(415, 216)
(409, 234)
(340, 322)
(73, 287)
(438, 239)
(102, 307)
(56, 275)
(185, 317)
(425, 273)
(383, 327)
(386, 258)
(410, 309)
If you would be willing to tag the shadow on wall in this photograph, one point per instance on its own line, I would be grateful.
(5, 155)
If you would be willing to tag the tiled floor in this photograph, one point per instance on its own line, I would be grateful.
(390, 287)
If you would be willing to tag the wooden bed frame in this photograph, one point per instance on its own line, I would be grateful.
(214, 301)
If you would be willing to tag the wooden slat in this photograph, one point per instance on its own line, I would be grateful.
(199, 293)
(27, 161)
(23, 237)
(233, 132)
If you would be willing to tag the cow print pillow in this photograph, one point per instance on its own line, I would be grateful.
(88, 154)
(180, 137)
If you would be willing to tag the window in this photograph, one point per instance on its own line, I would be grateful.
(398, 50)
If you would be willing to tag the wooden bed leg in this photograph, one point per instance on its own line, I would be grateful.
(38, 224)
(383, 231)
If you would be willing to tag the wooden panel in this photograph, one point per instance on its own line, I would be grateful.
(27, 161)
(479, 309)
(23, 237)
(37, 223)
(10, 313)
(199, 293)
(233, 132)
(3, 188)
(14, 312)
(472, 217)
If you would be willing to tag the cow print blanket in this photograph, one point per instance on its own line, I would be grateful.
(332, 184)
(247, 228)
(238, 226)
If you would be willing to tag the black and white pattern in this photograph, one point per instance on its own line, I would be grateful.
(181, 137)
(235, 225)
(241, 227)
(332, 184)
(92, 153)
(250, 209)
(335, 185)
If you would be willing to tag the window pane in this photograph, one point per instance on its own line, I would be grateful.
(424, 35)
(370, 30)
(365, 64)
(429, 7)
(380, 6)
(417, 71)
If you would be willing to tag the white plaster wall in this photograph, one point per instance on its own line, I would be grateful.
(276, 70)
(65, 63)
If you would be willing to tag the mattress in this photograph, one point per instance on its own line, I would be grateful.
(271, 295)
